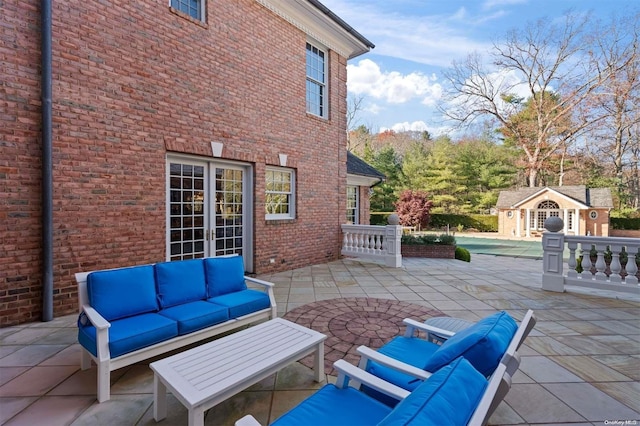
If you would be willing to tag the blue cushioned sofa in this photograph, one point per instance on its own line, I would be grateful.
(135, 313)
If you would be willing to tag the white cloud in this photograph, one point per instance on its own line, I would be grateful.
(489, 4)
(418, 126)
(366, 78)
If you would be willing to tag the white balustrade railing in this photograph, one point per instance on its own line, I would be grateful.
(605, 263)
(373, 242)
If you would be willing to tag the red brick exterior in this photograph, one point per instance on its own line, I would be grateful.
(133, 81)
(428, 251)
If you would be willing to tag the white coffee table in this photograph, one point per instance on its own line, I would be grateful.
(205, 376)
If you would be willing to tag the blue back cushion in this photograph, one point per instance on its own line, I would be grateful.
(449, 397)
(224, 275)
(483, 344)
(123, 292)
(180, 282)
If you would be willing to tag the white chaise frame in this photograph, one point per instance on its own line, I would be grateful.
(497, 387)
(106, 365)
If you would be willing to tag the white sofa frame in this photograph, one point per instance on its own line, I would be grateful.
(106, 364)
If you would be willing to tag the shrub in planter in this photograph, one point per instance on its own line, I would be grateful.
(429, 246)
(463, 254)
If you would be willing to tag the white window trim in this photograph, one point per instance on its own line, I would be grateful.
(292, 195)
(325, 106)
(202, 11)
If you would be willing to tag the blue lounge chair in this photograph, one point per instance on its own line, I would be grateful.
(407, 360)
(456, 394)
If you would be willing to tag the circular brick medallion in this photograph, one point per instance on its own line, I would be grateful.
(351, 322)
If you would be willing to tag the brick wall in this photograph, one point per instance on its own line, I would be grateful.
(133, 81)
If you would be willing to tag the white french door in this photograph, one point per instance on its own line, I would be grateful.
(208, 209)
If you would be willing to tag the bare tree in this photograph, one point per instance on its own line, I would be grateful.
(616, 138)
(543, 58)
(354, 106)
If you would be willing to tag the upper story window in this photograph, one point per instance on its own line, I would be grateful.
(316, 81)
(280, 193)
(193, 8)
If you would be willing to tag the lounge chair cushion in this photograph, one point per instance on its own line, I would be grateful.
(196, 315)
(449, 397)
(121, 293)
(483, 344)
(242, 302)
(128, 334)
(180, 282)
(224, 275)
(336, 407)
(408, 350)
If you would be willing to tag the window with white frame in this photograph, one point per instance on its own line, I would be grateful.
(316, 81)
(280, 193)
(352, 205)
(193, 8)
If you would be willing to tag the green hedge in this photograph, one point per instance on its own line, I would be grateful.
(488, 223)
(625, 223)
(379, 218)
(480, 222)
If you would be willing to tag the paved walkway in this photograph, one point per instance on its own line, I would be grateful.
(580, 365)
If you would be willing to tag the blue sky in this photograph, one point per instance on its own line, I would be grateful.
(401, 81)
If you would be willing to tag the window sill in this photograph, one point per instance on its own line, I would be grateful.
(318, 117)
(188, 18)
(280, 221)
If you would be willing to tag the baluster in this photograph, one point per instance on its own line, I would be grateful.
(378, 244)
(572, 260)
(369, 246)
(615, 266)
(586, 261)
(631, 266)
(600, 263)
(345, 241)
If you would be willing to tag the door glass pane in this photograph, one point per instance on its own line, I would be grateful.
(186, 211)
(229, 211)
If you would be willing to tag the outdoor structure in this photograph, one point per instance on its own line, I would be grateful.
(584, 211)
(360, 178)
(138, 132)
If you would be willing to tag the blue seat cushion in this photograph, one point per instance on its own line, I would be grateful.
(335, 407)
(224, 275)
(121, 293)
(180, 282)
(196, 315)
(409, 350)
(449, 397)
(242, 302)
(128, 334)
(483, 344)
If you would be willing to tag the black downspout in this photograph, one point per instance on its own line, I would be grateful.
(47, 165)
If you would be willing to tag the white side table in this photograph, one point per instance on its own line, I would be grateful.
(445, 323)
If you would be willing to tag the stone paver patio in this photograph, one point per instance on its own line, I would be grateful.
(580, 365)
